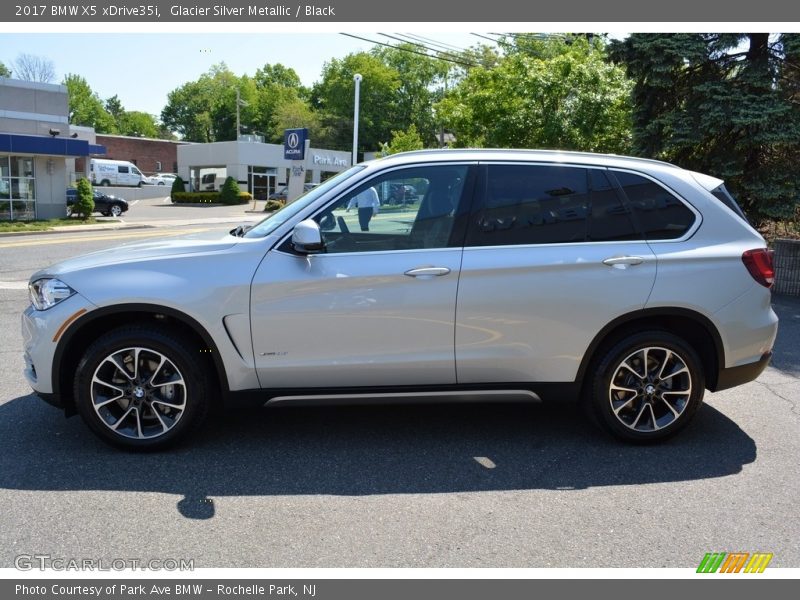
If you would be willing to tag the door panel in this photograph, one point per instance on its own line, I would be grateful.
(529, 313)
(338, 320)
(377, 308)
(552, 256)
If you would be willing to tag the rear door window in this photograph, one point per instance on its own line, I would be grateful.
(548, 204)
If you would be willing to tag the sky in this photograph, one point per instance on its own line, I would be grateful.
(142, 68)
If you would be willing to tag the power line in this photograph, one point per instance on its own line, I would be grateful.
(458, 62)
(433, 42)
(438, 53)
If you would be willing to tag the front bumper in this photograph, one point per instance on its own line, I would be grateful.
(41, 332)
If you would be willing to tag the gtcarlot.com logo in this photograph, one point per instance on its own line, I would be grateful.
(734, 562)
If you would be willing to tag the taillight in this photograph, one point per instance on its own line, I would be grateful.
(759, 264)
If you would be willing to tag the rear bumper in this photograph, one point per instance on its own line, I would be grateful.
(733, 376)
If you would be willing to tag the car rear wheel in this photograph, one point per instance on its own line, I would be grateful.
(646, 387)
(105, 183)
(141, 389)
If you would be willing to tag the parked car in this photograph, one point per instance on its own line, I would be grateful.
(106, 204)
(400, 193)
(163, 179)
(282, 193)
(631, 284)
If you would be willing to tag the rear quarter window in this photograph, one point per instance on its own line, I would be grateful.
(658, 212)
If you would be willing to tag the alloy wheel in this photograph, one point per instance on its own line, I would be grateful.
(650, 389)
(138, 393)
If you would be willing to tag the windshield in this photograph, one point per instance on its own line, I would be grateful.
(271, 223)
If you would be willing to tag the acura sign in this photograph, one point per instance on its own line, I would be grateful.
(294, 144)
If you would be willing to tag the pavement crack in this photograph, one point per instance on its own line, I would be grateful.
(792, 403)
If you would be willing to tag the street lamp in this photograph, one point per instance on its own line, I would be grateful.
(357, 79)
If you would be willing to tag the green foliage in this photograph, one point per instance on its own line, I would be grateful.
(4, 71)
(178, 187)
(229, 194)
(85, 106)
(84, 203)
(195, 197)
(333, 97)
(563, 96)
(209, 198)
(403, 141)
(273, 205)
(723, 104)
(422, 81)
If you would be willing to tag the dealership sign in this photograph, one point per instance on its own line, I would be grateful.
(294, 144)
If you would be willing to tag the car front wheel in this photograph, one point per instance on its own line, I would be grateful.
(647, 387)
(141, 389)
(115, 210)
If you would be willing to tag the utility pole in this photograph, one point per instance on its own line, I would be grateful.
(238, 121)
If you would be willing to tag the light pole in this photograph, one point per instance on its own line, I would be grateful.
(357, 79)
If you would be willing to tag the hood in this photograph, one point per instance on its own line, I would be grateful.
(205, 242)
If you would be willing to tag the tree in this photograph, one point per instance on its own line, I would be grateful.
(292, 113)
(84, 203)
(333, 98)
(422, 81)
(85, 106)
(4, 72)
(30, 67)
(723, 104)
(568, 97)
(205, 110)
(138, 124)
(403, 141)
(277, 74)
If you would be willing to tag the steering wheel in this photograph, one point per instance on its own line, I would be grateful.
(342, 225)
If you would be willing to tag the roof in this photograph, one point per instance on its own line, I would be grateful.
(565, 156)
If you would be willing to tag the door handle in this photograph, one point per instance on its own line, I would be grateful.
(427, 272)
(623, 260)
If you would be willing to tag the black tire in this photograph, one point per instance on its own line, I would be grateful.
(115, 210)
(105, 183)
(645, 404)
(147, 417)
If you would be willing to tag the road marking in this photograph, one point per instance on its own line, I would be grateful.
(13, 285)
(117, 235)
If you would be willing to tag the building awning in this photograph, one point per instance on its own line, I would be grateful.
(51, 146)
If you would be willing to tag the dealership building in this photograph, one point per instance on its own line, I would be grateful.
(37, 150)
(259, 168)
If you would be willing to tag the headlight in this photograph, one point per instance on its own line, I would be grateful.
(46, 293)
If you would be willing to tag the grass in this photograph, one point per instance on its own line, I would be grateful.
(44, 225)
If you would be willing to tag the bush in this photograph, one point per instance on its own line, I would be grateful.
(195, 197)
(229, 194)
(84, 203)
(273, 205)
(178, 186)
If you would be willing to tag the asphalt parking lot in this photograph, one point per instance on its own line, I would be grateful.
(408, 486)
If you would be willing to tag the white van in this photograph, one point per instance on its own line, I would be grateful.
(115, 172)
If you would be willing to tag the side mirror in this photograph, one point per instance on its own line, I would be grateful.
(306, 237)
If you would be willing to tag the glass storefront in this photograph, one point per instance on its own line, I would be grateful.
(17, 188)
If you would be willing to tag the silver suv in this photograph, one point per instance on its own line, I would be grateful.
(631, 284)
